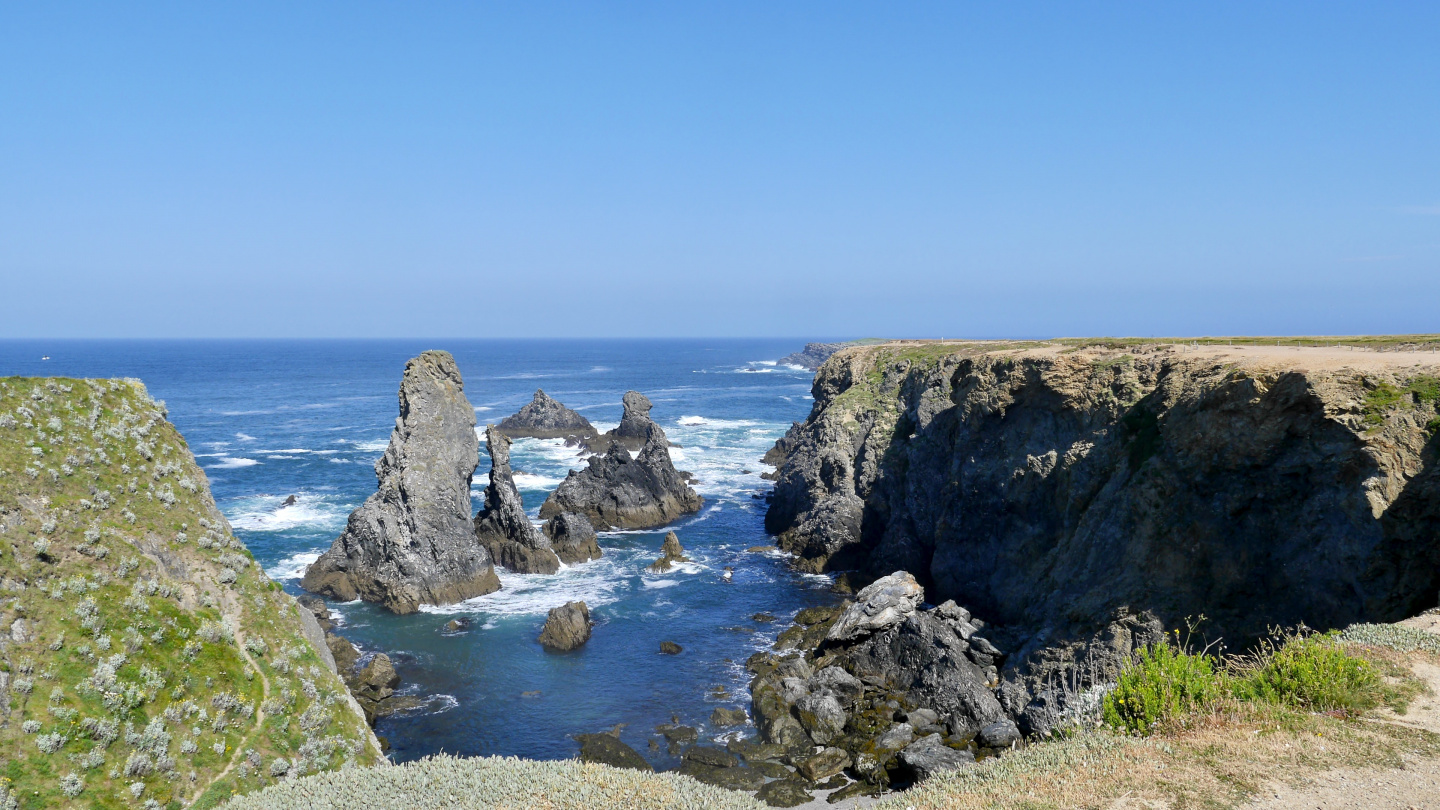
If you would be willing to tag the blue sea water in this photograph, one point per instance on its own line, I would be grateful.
(271, 419)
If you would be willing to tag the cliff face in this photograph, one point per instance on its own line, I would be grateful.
(412, 542)
(141, 646)
(1045, 487)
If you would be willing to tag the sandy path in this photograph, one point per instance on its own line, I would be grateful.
(1416, 784)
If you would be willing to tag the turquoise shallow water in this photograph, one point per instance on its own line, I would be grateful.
(269, 419)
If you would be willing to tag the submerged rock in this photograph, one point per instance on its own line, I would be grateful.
(723, 717)
(618, 491)
(671, 552)
(545, 418)
(671, 648)
(607, 749)
(567, 627)
(412, 542)
(502, 527)
(573, 538)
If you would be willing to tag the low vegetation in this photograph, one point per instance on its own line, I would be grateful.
(147, 660)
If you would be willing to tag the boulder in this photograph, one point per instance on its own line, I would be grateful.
(573, 538)
(377, 679)
(502, 527)
(343, 651)
(928, 756)
(709, 755)
(607, 749)
(729, 778)
(567, 627)
(896, 737)
(835, 681)
(723, 717)
(821, 716)
(412, 542)
(671, 648)
(784, 793)
(827, 762)
(459, 625)
(545, 418)
(616, 490)
(670, 553)
(886, 602)
(1002, 733)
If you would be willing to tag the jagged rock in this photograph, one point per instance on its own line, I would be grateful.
(573, 538)
(545, 418)
(789, 792)
(836, 681)
(344, 652)
(636, 428)
(412, 542)
(884, 603)
(928, 756)
(618, 491)
(1002, 733)
(671, 552)
(607, 749)
(567, 627)
(502, 527)
(377, 679)
(671, 648)
(896, 737)
(827, 762)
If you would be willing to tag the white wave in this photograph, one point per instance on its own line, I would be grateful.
(231, 463)
(479, 408)
(341, 461)
(533, 481)
(281, 458)
(596, 583)
(301, 451)
(216, 445)
(793, 367)
(292, 567)
(267, 513)
(691, 420)
(753, 370)
(367, 446)
(597, 405)
(661, 583)
(598, 369)
(762, 362)
(244, 437)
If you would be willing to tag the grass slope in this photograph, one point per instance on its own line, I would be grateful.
(147, 660)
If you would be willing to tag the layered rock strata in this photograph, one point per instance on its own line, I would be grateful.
(412, 542)
(545, 418)
(616, 490)
(502, 526)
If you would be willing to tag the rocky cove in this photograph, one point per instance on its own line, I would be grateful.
(904, 637)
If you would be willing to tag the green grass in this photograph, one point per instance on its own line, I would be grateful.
(137, 562)
(1314, 672)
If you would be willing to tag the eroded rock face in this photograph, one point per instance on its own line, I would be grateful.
(1044, 489)
(573, 538)
(502, 527)
(566, 627)
(546, 418)
(636, 428)
(412, 542)
(618, 491)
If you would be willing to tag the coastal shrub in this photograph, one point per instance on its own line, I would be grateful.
(1433, 426)
(1314, 672)
(1162, 683)
(1425, 388)
(71, 785)
(1380, 399)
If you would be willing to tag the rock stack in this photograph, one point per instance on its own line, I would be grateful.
(567, 627)
(670, 553)
(617, 490)
(502, 527)
(545, 418)
(412, 542)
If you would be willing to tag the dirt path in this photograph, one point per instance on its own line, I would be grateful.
(259, 715)
(1416, 784)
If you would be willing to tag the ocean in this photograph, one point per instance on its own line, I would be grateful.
(272, 419)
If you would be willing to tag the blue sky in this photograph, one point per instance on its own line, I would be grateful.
(713, 169)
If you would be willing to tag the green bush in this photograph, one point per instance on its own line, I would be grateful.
(1161, 684)
(1379, 400)
(1433, 426)
(1425, 388)
(1316, 673)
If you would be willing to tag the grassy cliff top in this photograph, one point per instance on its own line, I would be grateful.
(145, 658)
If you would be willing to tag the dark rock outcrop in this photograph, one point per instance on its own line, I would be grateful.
(573, 538)
(671, 552)
(671, 648)
(636, 428)
(812, 356)
(1048, 488)
(607, 749)
(618, 491)
(566, 627)
(502, 527)
(412, 542)
(546, 418)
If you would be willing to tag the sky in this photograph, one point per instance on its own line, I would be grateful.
(806, 169)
